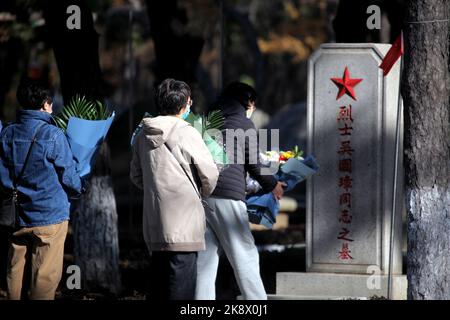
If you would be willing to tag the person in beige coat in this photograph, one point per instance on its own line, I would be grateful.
(173, 167)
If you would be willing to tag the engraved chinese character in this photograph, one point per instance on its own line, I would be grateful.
(345, 114)
(345, 165)
(346, 130)
(344, 254)
(343, 235)
(345, 148)
(345, 182)
(345, 199)
(345, 217)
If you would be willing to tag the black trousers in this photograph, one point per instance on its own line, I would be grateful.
(173, 275)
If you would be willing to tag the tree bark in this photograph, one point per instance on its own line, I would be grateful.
(95, 234)
(95, 230)
(426, 91)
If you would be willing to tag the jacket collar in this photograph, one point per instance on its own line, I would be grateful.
(26, 115)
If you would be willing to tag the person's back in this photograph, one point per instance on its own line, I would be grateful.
(173, 213)
(226, 214)
(174, 168)
(231, 183)
(36, 161)
(47, 180)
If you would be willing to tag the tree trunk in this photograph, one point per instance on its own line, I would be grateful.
(251, 36)
(426, 91)
(95, 233)
(10, 51)
(76, 50)
(177, 52)
(10, 54)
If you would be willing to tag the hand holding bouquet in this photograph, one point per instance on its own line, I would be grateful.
(292, 169)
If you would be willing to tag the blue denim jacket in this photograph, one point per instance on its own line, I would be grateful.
(50, 177)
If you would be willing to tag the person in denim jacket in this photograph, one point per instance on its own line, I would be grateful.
(48, 182)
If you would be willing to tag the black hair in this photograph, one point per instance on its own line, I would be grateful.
(241, 92)
(32, 96)
(171, 96)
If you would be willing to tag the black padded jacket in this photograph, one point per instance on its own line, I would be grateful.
(231, 183)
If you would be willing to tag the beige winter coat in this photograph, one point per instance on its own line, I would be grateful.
(173, 217)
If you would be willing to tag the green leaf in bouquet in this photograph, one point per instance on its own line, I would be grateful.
(204, 123)
(63, 117)
(82, 108)
(60, 123)
(214, 120)
(216, 150)
(298, 153)
(68, 111)
(103, 112)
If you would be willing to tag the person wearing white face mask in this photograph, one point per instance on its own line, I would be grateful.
(251, 107)
(174, 168)
(227, 224)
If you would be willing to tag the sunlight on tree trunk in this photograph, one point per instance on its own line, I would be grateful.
(95, 231)
(426, 91)
(96, 244)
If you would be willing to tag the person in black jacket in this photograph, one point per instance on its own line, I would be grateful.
(227, 225)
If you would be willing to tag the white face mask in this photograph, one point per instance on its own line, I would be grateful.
(250, 108)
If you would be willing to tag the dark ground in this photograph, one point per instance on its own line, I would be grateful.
(135, 267)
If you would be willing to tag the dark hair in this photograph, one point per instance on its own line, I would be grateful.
(241, 92)
(171, 96)
(32, 96)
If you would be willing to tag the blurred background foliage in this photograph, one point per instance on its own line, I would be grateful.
(278, 30)
(265, 42)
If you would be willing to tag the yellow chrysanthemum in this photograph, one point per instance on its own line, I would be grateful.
(288, 154)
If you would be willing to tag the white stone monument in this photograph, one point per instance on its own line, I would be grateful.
(352, 118)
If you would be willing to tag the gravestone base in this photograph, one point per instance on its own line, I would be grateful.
(312, 286)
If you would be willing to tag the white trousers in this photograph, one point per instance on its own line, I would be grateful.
(227, 229)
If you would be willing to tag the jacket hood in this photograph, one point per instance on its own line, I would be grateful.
(229, 107)
(158, 130)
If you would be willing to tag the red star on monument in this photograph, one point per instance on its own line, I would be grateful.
(346, 85)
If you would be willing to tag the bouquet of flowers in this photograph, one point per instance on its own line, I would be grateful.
(86, 124)
(262, 207)
(203, 124)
